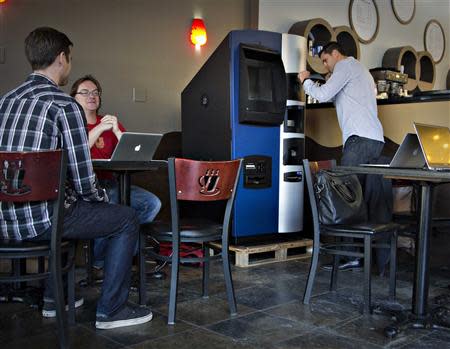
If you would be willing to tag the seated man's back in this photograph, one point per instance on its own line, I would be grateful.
(37, 115)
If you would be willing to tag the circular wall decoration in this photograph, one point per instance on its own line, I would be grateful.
(448, 80)
(404, 10)
(434, 40)
(364, 19)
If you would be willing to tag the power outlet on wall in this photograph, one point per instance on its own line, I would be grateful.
(2, 55)
(139, 94)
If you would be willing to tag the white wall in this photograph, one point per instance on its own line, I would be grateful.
(125, 44)
(279, 15)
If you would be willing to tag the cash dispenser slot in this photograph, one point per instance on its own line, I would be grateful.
(293, 176)
(257, 172)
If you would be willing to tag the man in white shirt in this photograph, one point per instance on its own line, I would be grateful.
(352, 89)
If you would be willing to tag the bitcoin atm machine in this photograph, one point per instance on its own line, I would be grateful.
(233, 108)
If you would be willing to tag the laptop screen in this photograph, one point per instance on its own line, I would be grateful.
(435, 142)
(135, 146)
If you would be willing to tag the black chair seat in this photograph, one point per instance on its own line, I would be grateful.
(340, 242)
(9, 246)
(363, 229)
(188, 229)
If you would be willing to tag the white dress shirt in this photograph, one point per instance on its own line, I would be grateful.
(352, 89)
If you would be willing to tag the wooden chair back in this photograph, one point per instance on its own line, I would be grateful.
(36, 176)
(204, 180)
(31, 176)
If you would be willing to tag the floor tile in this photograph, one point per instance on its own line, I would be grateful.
(428, 342)
(198, 338)
(319, 313)
(260, 328)
(260, 297)
(79, 337)
(371, 329)
(24, 324)
(204, 311)
(323, 340)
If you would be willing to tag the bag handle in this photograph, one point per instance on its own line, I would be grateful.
(345, 190)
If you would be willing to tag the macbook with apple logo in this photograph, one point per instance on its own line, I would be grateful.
(135, 146)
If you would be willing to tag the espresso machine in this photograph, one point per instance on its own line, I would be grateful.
(389, 82)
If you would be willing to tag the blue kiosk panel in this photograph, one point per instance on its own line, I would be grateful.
(256, 210)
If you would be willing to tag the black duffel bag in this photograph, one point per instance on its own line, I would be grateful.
(340, 198)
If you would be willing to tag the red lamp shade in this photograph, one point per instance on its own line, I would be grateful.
(198, 32)
(2, 1)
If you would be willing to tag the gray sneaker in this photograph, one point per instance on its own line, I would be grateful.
(49, 307)
(129, 315)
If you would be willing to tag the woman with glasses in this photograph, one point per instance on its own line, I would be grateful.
(104, 134)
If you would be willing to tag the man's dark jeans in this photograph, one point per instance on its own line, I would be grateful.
(377, 191)
(89, 220)
(359, 150)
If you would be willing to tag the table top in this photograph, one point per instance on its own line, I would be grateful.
(152, 165)
(400, 173)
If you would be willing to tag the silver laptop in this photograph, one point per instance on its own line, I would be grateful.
(408, 155)
(135, 147)
(435, 144)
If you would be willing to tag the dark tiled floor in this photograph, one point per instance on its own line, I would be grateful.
(271, 314)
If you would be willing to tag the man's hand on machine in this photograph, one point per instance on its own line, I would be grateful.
(303, 75)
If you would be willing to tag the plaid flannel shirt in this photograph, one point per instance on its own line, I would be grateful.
(37, 115)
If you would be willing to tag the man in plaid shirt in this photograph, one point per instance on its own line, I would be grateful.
(37, 115)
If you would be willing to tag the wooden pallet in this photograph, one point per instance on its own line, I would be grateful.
(248, 256)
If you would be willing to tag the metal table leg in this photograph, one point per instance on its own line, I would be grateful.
(420, 317)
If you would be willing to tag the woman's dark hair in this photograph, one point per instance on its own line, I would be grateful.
(331, 46)
(88, 77)
(43, 45)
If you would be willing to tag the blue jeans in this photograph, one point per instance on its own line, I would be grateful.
(146, 204)
(377, 191)
(119, 226)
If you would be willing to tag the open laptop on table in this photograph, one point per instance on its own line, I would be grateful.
(135, 147)
(408, 155)
(435, 144)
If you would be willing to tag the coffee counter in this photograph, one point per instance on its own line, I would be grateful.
(428, 96)
(396, 114)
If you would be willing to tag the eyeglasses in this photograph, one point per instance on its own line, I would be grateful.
(87, 93)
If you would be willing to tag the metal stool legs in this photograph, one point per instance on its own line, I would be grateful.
(228, 280)
(367, 274)
(206, 264)
(55, 270)
(174, 281)
(312, 272)
(393, 268)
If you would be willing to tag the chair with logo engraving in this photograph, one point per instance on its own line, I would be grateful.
(27, 178)
(207, 182)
